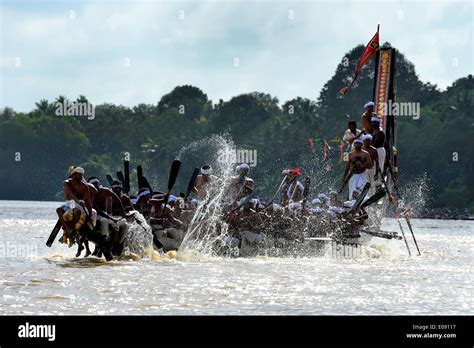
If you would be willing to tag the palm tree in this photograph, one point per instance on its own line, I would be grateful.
(82, 99)
(43, 107)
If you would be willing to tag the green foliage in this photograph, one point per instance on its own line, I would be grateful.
(281, 134)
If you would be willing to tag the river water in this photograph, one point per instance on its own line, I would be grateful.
(382, 280)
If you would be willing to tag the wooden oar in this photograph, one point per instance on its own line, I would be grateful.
(404, 238)
(192, 180)
(362, 195)
(307, 184)
(390, 197)
(412, 234)
(54, 233)
(171, 181)
(121, 177)
(110, 180)
(374, 198)
(142, 180)
(126, 168)
(345, 182)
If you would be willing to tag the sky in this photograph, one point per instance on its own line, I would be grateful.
(131, 52)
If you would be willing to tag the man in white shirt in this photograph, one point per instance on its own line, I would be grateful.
(351, 133)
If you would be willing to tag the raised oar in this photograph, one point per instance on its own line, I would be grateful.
(121, 177)
(126, 168)
(404, 238)
(139, 176)
(192, 180)
(171, 181)
(110, 180)
(307, 184)
(54, 233)
(345, 182)
(142, 180)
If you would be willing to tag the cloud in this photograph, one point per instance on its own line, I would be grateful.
(173, 43)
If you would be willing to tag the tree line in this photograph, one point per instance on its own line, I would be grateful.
(36, 147)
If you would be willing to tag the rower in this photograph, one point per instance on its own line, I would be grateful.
(324, 199)
(351, 133)
(106, 202)
(316, 205)
(292, 187)
(359, 161)
(334, 200)
(373, 172)
(78, 204)
(117, 188)
(378, 141)
(163, 221)
(141, 203)
(83, 241)
(367, 116)
(205, 183)
(240, 185)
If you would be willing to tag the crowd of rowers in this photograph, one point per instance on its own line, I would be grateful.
(107, 211)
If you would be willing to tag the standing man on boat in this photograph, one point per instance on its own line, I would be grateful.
(367, 116)
(292, 188)
(373, 172)
(239, 186)
(378, 141)
(351, 133)
(358, 163)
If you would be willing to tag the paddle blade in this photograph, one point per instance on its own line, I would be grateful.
(173, 173)
(139, 176)
(192, 181)
(54, 233)
(109, 178)
(359, 200)
(121, 177)
(126, 168)
(307, 183)
(374, 198)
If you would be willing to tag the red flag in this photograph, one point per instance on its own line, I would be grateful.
(369, 51)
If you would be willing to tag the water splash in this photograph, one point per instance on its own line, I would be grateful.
(139, 238)
(415, 193)
(207, 232)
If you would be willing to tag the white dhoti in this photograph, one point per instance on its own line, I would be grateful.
(371, 178)
(94, 217)
(357, 182)
(381, 153)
